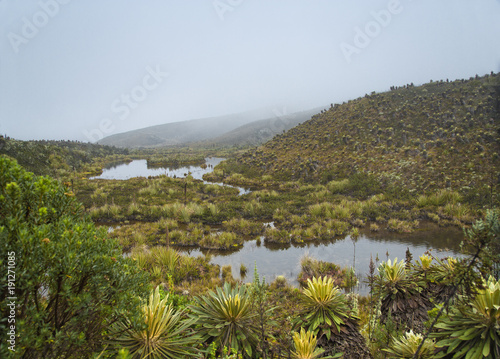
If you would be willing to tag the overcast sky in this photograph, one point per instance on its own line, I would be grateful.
(84, 69)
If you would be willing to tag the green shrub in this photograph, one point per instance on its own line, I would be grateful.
(274, 235)
(72, 282)
(338, 186)
(222, 240)
(313, 268)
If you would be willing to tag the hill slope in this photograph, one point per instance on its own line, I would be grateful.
(438, 135)
(258, 132)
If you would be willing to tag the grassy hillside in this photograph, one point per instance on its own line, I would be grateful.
(420, 139)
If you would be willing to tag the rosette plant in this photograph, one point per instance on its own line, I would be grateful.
(326, 313)
(163, 334)
(401, 296)
(305, 346)
(472, 330)
(225, 317)
(406, 347)
(324, 307)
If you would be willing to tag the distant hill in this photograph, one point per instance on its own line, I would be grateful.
(180, 133)
(258, 132)
(438, 135)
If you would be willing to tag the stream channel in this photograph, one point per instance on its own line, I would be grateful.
(274, 260)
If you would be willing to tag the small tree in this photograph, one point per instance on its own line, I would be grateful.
(258, 294)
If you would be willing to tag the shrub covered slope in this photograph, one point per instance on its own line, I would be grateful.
(439, 135)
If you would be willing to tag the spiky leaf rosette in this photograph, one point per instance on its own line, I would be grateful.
(324, 306)
(225, 316)
(472, 331)
(441, 278)
(401, 297)
(406, 346)
(164, 335)
(305, 346)
(325, 312)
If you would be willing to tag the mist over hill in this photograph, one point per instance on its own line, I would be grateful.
(258, 126)
(258, 132)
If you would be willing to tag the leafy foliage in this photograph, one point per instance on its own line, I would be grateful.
(259, 297)
(483, 237)
(72, 282)
(472, 330)
(54, 157)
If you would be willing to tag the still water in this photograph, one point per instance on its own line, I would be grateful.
(272, 261)
(139, 168)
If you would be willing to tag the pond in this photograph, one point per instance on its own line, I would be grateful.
(139, 168)
(275, 260)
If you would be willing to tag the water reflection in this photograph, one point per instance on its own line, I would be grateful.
(139, 168)
(280, 260)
